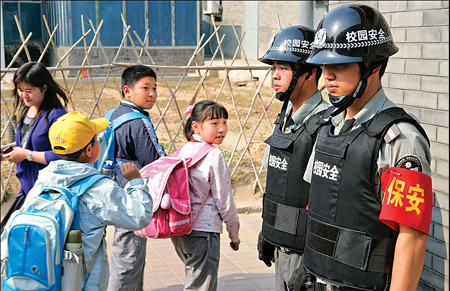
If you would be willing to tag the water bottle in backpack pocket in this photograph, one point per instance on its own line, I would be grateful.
(74, 267)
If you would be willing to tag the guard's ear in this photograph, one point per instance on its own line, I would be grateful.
(308, 75)
(377, 69)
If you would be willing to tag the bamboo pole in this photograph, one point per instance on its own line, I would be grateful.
(48, 44)
(206, 72)
(251, 138)
(262, 166)
(71, 48)
(192, 65)
(85, 58)
(109, 72)
(10, 120)
(227, 72)
(56, 51)
(243, 133)
(89, 70)
(131, 39)
(19, 27)
(5, 187)
(193, 68)
(125, 65)
(140, 62)
(195, 94)
(279, 22)
(160, 73)
(106, 58)
(178, 86)
(201, 82)
(251, 73)
(217, 38)
(17, 53)
(197, 49)
(227, 78)
(246, 118)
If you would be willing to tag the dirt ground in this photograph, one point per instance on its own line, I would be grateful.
(238, 103)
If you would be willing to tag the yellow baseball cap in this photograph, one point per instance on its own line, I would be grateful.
(73, 131)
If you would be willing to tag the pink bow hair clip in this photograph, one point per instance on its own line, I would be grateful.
(189, 109)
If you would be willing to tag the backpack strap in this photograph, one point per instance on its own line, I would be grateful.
(93, 261)
(109, 114)
(78, 189)
(199, 155)
(110, 148)
(125, 118)
(81, 186)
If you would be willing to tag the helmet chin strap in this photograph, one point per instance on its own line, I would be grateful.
(344, 101)
(282, 96)
(288, 92)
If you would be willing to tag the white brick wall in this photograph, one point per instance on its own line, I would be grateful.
(443, 102)
(421, 67)
(417, 79)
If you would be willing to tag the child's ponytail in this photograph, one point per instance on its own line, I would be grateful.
(188, 132)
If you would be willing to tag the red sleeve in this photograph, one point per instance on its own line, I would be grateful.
(408, 199)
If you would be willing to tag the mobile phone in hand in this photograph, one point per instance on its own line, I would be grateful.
(7, 149)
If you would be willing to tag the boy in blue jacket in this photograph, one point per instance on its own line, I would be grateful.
(135, 141)
(74, 138)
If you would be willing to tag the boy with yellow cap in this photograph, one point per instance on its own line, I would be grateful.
(74, 138)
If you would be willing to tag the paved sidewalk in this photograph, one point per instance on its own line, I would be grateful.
(238, 271)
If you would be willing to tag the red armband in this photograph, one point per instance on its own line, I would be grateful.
(408, 199)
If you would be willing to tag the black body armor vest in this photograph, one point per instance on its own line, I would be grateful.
(287, 194)
(346, 244)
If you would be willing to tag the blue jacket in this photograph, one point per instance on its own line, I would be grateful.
(136, 140)
(27, 172)
(105, 203)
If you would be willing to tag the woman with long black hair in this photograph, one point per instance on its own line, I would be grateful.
(39, 101)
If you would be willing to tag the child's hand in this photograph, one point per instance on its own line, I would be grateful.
(235, 245)
(129, 171)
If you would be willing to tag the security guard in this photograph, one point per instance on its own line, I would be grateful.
(371, 197)
(284, 216)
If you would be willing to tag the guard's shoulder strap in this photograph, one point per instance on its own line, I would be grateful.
(126, 117)
(383, 121)
(326, 115)
(312, 124)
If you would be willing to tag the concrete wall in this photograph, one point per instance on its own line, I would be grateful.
(417, 79)
(288, 12)
(289, 15)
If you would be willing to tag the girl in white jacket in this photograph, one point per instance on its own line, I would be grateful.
(209, 179)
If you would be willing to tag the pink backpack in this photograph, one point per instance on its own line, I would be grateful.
(168, 184)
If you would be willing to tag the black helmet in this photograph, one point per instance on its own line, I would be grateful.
(352, 34)
(292, 45)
